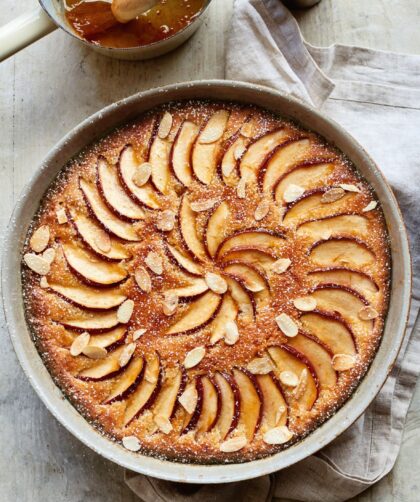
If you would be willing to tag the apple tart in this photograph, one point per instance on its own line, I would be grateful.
(208, 283)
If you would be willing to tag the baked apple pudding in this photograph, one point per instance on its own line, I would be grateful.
(208, 283)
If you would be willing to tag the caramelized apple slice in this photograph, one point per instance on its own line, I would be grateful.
(159, 159)
(199, 313)
(354, 279)
(187, 221)
(216, 227)
(243, 299)
(106, 218)
(127, 382)
(91, 269)
(252, 279)
(181, 152)
(191, 419)
(252, 239)
(114, 194)
(345, 224)
(228, 312)
(250, 402)
(210, 407)
(341, 252)
(145, 394)
(127, 166)
(166, 400)
(196, 287)
(90, 298)
(104, 368)
(230, 160)
(273, 402)
(94, 321)
(257, 257)
(229, 404)
(184, 261)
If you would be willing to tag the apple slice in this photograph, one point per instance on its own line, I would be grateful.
(306, 176)
(332, 330)
(188, 226)
(91, 269)
(91, 234)
(252, 239)
(181, 152)
(184, 261)
(127, 165)
(204, 154)
(229, 404)
(94, 321)
(104, 368)
(230, 161)
(195, 288)
(145, 394)
(113, 193)
(243, 299)
(127, 382)
(257, 257)
(228, 312)
(109, 340)
(250, 397)
(159, 159)
(259, 150)
(273, 402)
(341, 252)
(286, 358)
(106, 218)
(320, 358)
(198, 314)
(191, 419)
(167, 398)
(249, 276)
(90, 298)
(216, 227)
(210, 408)
(344, 224)
(354, 279)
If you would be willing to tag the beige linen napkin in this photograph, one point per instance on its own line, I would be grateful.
(376, 96)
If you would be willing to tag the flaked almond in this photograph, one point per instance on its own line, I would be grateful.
(233, 444)
(143, 280)
(349, 188)
(37, 263)
(163, 423)
(260, 366)
(40, 238)
(278, 435)
(293, 192)
(367, 313)
(262, 210)
(215, 127)
(238, 151)
(247, 130)
(289, 378)
(216, 283)
(61, 216)
(305, 303)
(343, 362)
(203, 205)
(103, 241)
(301, 386)
(241, 187)
(126, 354)
(281, 265)
(280, 412)
(165, 220)
(287, 325)
(79, 344)
(125, 311)
(49, 255)
(165, 125)
(254, 287)
(194, 357)
(231, 333)
(227, 168)
(372, 205)
(43, 282)
(94, 352)
(138, 333)
(131, 443)
(142, 174)
(189, 398)
(170, 302)
(154, 261)
(332, 195)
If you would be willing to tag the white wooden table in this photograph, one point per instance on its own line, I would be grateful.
(45, 91)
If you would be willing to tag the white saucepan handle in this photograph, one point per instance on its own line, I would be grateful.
(24, 30)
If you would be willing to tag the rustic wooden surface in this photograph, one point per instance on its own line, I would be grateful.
(46, 90)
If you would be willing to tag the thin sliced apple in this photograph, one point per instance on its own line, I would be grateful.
(94, 321)
(92, 269)
(341, 252)
(90, 298)
(252, 279)
(252, 239)
(229, 404)
(228, 312)
(196, 287)
(127, 382)
(243, 299)
(145, 394)
(184, 261)
(189, 231)
(167, 398)
(159, 159)
(210, 407)
(181, 152)
(109, 339)
(191, 419)
(230, 160)
(273, 402)
(103, 369)
(114, 194)
(127, 166)
(199, 313)
(344, 224)
(216, 227)
(106, 218)
(257, 257)
(354, 279)
(250, 403)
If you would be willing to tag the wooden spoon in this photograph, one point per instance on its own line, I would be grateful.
(126, 10)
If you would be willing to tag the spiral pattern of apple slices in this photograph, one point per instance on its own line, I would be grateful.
(240, 220)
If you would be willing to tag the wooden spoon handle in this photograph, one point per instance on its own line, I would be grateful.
(126, 10)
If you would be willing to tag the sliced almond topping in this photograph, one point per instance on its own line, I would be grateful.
(203, 205)
(165, 125)
(40, 238)
(280, 412)
(241, 187)
(343, 362)
(163, 423)
(94, 352)
(189, 398)
(287, 325)
(214, 128)
(79, 344)
(43, 282)
(289, 378)
(372, 204)
(142, 174)
(305, 303)
(349, 188)
(126, 354)
(49, 255)
(103, 241)
(262, 210)
(170, 302)
(301, 386)
(231, 333)
(367, 313)
(216, 283)
(278, 435)
(37, 263)
(227, 169)
(238, 151)
(332, 195)
(260, 366)
(125, 311)
(281, 265)
(254, 286)
(194, 357)
(61, 216)
(154, 261)
(131, 443)
(143, 280)
(165, 220)
(233, 444)
(247, 130)
(293, 192)
(138, 333)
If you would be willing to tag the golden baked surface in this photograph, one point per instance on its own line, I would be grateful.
(208, 283)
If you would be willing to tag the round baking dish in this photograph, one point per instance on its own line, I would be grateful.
(101, 123)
